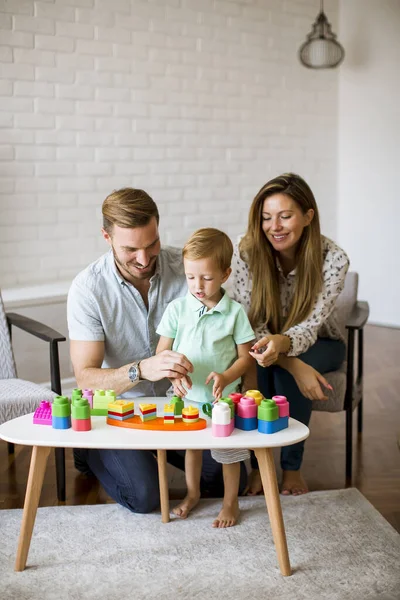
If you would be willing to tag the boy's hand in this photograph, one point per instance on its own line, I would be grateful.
(180, 385)
(220, 384)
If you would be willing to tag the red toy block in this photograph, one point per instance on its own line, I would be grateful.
(81, 424)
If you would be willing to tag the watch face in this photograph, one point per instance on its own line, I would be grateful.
(133, 373)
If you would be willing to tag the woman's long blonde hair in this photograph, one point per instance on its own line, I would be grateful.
(256, 250)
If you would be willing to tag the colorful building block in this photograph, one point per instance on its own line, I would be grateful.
(222, 423)
(169, 415)
(88, 394)
(76, 393)
(120, 410)
(190, 414)
(61, 413)
(80, 415)
(256, 395)
(147, 412)
(268, 411)
(282, 404)
(42, 415)
(273, 426)
(269, 420)
(231, 405)
(178, 405)
(235, 397)
(101, 400)
(246, 414)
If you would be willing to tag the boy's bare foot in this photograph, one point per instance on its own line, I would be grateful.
(293, 483)
(228, 516)
(183, 509)
(255, 486)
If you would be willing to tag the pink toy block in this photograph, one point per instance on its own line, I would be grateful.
(81, 424)
(42, 415)
(247, 408)
(222, 430)
(88, 394)
(222, 424)
(282, 404)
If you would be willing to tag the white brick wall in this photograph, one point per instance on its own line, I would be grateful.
(199, 102)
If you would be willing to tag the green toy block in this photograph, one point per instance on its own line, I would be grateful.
(111, 395)
(268, 411)
(231, 405)
(76, 393)
(61, 407)
(80, 409)
(178, 405)
(99, 412)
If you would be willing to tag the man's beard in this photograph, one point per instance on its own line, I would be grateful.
(126, 272)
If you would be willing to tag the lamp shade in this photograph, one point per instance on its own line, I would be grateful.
(321, 50)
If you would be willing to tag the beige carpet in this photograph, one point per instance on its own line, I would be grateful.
(340, 548)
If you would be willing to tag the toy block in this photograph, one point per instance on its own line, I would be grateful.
(99, 399)
(147, 412)
(42, 415)
(81, 424)
(178, 405)
(117, 417)
(121, 407)
(221, 413)
(88, 394)
(61, 407)
(169, 416)
(268, 411)
(98, 412)
(273, 426)
(235, 397)
(245, 424)
(247, 408)
(256, 395)
(231, 405)
(190, 414)
(76, 393)
(282, 404)
(80, 409)
(61, 422)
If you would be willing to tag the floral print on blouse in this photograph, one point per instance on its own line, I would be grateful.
(322, 321)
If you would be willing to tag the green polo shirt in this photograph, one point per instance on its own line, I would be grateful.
(207, 337)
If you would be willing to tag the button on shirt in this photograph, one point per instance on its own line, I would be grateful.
(207, 337)
(102, 306)
(322, 321)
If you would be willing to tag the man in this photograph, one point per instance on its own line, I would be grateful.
(114, 308)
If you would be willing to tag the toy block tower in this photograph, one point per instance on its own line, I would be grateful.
(88, 394)
(61, 413)
(76, 394)
(256, 395)
(169, 415)
(246, 414)
(221, 420)
(80, 412)
(101, 400)
(178, 405)
(120, 410)
(190, 414)
(268, 417)
(42, 415)
(147, 412)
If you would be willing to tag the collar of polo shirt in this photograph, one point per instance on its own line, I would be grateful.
(222, 306)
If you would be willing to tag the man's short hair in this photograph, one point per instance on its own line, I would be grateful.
(128, 207)
(209, 243)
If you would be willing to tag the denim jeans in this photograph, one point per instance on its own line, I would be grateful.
(325, 355)
(130, 477)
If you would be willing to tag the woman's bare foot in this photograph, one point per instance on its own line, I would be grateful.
(255, 486)
(293, 483)
(228, 516)
(187, 504)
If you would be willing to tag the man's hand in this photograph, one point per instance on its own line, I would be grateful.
(309, 381)
(220, 384)
(267, 350)
(167, 363)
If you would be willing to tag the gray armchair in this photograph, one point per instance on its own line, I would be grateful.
(19, 397)
(348, 385)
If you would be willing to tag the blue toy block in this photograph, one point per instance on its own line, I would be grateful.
(61, 422)
(245, 424)
(273, 426)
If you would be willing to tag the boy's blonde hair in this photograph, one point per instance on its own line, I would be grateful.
(209, 243)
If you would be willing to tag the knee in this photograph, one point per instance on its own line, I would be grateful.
(145, 498)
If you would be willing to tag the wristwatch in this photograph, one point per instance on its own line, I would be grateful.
(134, 372)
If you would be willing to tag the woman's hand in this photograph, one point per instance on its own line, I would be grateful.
(220, 384)
(309, 381)
(267, 350)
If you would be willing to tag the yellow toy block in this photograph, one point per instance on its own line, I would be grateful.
(121, 406)
(190, 414)
(256, 395)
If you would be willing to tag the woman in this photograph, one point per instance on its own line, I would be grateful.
(288, 276)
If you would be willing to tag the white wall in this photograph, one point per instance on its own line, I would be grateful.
(197, 101)
(369, 151)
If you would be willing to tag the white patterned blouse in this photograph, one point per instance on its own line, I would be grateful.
(322, 321)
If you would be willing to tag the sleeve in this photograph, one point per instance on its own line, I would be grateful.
(240, 280)
(168, 325)
(243, 331)
(84, 321)
(304, 335)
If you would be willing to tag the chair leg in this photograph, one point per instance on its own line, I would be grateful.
(360, 416)
(60, 473)
(11, 447)
(349, 442)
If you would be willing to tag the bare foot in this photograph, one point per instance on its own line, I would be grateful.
(228, 516)
(293, 483)
(255, 486)
(183, 509)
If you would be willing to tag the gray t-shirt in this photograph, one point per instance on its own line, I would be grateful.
(102, 306)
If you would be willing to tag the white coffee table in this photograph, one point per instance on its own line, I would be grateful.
(43, 438)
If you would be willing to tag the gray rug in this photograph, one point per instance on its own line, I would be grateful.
(340, 548)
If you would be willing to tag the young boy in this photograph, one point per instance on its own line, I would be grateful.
(214, 333)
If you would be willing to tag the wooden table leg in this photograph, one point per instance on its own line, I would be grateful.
(32, 496)
(268, 477)
(163, 479)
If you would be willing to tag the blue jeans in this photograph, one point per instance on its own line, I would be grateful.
(325, 355)
(130, 477)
